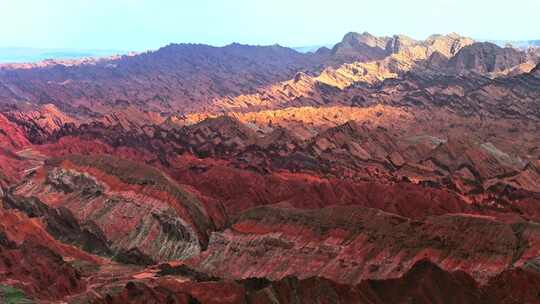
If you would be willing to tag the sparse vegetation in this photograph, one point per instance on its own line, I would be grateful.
(11, 295)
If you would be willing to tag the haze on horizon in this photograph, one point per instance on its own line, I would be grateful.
(137, 25)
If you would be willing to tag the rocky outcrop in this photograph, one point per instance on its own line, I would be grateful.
(360, 47)
(352, 140)
(446, 45)
(223, 135)
(40, 123)
(350, 40)
(486, 58)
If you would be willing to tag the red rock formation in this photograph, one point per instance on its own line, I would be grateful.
(11, 135)
(30, 259)
(280, 177)
(425, 283)
(134, 212)
(350, 244)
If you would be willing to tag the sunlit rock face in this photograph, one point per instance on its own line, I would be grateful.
(486, 58)
(446, 45)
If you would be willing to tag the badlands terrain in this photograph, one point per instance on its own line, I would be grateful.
(382, 170)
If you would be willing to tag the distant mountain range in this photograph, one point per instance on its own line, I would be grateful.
(194, 78)
(31, 55)
(24, 54)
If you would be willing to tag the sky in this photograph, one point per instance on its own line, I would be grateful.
(137, 25)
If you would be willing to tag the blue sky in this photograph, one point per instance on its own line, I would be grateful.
(148, 24)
